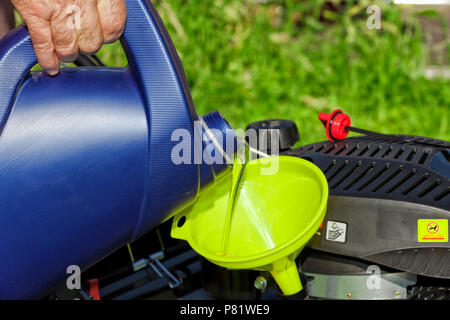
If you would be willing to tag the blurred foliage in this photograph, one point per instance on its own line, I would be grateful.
(291, 59)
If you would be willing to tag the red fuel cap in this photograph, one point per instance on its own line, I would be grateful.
(336, 124)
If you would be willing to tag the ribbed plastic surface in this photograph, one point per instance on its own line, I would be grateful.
(16, 59)
(154, 63)
(386, 169)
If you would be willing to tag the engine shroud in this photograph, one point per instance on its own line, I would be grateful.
(379, 188)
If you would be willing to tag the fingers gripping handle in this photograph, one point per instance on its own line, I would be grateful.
(150, 52)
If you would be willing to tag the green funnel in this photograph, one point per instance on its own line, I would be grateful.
(271, 218)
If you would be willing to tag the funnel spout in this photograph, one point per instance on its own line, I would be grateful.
(286, 275)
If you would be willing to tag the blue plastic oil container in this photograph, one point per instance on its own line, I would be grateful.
(85, 157)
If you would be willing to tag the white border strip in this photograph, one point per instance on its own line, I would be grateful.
(423, 2)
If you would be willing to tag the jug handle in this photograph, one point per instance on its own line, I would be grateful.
(151, 54)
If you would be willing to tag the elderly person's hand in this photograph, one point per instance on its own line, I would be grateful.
(60, 29)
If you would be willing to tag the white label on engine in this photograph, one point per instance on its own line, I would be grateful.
(336, 231)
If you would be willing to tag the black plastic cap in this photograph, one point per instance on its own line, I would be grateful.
(267, 130)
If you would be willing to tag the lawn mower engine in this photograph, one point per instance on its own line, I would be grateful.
(385, 235)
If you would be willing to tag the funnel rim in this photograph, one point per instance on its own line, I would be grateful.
(320, 214)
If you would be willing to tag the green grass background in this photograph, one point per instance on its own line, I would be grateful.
(254, 60)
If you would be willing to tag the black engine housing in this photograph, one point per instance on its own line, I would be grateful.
(379, 188)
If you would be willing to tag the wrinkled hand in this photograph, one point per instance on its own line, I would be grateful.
(60, 29)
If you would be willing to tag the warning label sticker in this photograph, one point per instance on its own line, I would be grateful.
(432, 230)
(336, 231)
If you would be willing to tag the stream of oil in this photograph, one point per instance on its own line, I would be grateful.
(239, 165)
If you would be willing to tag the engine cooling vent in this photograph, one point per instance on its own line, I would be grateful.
(384, 168)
